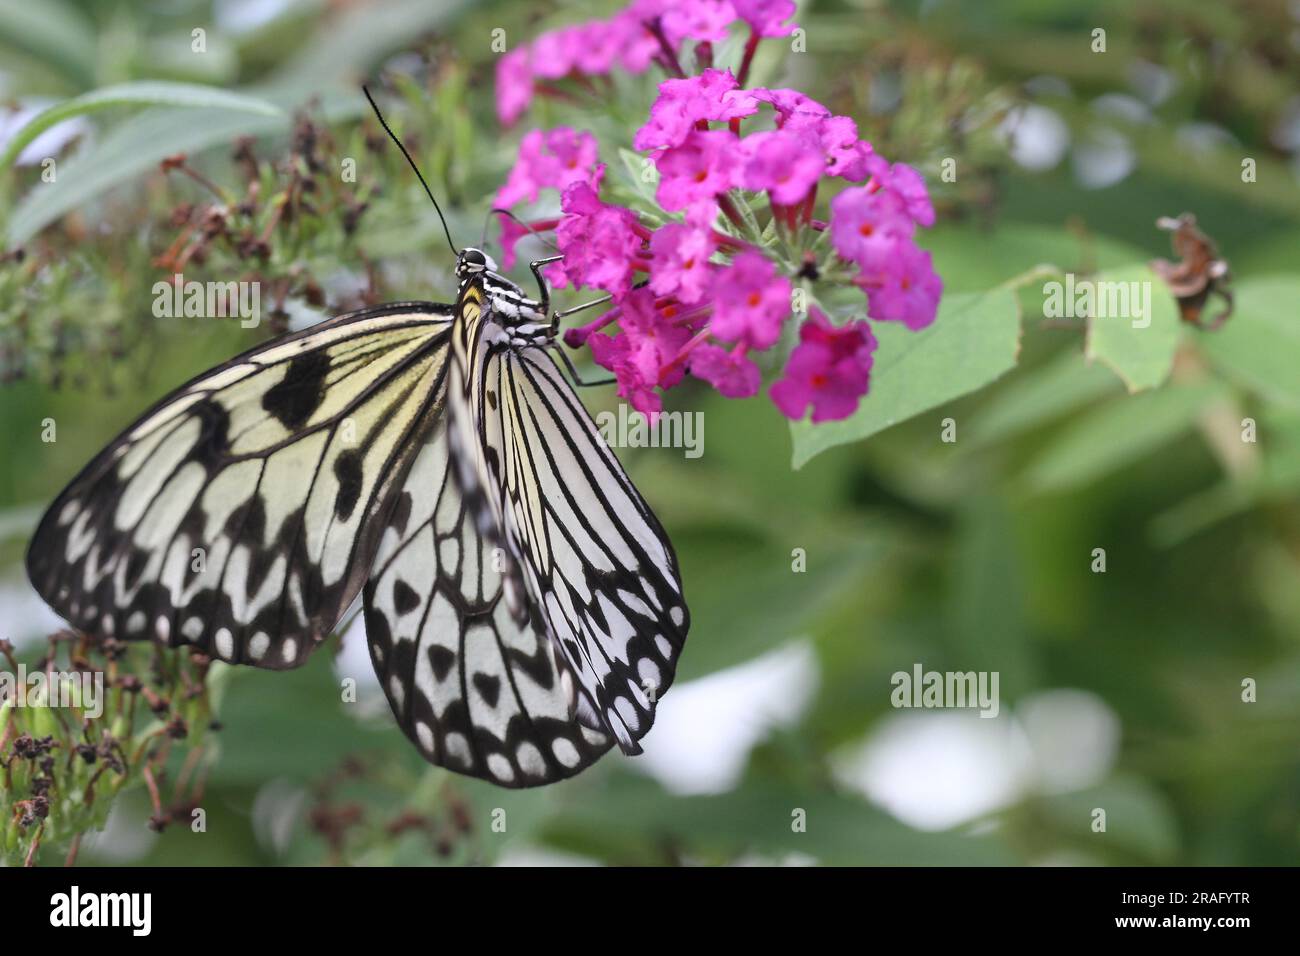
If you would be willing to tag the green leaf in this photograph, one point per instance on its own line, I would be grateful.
(989, 623)
(1117, 433)
(775, 605)
(137, 145)
(1139, 821)
(636, 820)
(970, 259)
(1276, 479)
(1273, 251)
(348, 45)
(169, 55)
(974, 340)
(292, 724)
(53, 32)
(1259, 345)
(633, 164)
(134, 94)
(1134, 325)
(1034, 397)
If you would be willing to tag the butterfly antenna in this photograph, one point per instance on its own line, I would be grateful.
(418, 175)
(531, 231)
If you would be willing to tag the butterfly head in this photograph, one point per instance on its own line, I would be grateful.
(472, 262)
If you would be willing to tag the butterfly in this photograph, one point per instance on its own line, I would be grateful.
(523, 606)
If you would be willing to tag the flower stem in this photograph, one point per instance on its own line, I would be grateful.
(751, 47)
(671, 63)
(577, 337)
(684, 351)
(729, 210)
(703, 56)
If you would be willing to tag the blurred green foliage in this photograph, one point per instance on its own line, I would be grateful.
(968, 555)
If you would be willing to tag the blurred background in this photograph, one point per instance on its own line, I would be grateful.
(1120, 690)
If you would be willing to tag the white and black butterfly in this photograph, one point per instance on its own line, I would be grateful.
(522, 604)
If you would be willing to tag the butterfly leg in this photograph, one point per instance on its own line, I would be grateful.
(544, 300)
(565, 313)
(544, 297)
(544, 290)
(573, 372)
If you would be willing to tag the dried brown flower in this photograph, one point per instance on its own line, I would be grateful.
(1200, 274)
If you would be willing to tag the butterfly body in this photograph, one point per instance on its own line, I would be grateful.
(522, 605)
(513, 319)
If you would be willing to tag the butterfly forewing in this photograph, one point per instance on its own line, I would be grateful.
(239, 514)
(595, 562)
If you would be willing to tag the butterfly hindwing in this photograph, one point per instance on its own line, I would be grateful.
(239, 514)
(596, 564)
(474, 687)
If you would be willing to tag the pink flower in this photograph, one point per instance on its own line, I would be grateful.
(750, 302)
(711, 301)
(611, 352)
(511, 233)
(550, 159)
(729, 371)
(600, 242)
(681, 262)
(867, 227)
(908, 184)
(637, 46)
(786, 164)
(697, 20)
(837, 136)
(706, 164)
(556, 52)
(703, 214)
(765, 17)
(907, 291)
(793, 109)
(710, 97)
(655, 340)
(846, 155)
(514, 85)
(600, 45)
(593, 48)
(643, 354)
(829, 369)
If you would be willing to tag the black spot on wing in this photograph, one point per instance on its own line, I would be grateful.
(214, 437)
(136, 562)
(441, 660)
(404, 597)
(293, 400)
(489, 687)
(347, 469)
(401, 513)
(536, 666)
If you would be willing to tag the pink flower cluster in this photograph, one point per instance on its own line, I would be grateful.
(692, 296)
(645, 33)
